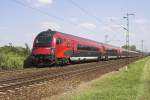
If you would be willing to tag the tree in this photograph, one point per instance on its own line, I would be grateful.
(27, 49)
(132, 47)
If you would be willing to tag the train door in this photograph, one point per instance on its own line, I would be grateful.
(59, 47)
(104, 55)
(73, 46)
(69, 48)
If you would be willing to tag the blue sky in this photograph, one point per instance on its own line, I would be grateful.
(20, 24)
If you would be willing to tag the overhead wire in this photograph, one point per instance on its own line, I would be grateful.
(59, 18)
(92, 15)
(39, 10)
(85, 11)
(48, 14)
(118, 24)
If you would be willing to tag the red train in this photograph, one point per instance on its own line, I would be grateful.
(52, 47)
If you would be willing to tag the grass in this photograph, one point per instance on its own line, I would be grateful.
(133, 84)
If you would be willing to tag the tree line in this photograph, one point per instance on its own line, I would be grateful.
(131, 47)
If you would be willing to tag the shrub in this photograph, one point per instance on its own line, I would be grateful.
(12, 57)
(11, 60)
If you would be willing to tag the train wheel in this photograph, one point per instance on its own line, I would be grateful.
(99, 58)
(106, 58)
(64, 61)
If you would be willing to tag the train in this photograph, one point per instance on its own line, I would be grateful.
(53, 47)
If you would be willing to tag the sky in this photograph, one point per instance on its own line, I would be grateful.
(22, 20)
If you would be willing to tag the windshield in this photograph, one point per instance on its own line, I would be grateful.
(43, 40)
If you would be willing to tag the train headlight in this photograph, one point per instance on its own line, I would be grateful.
(32, 57)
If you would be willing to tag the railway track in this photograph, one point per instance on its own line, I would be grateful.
(11, 84)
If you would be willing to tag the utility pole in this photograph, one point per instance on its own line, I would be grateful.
(106, 39)
(128, 31)
(127, 37)
(142, 42)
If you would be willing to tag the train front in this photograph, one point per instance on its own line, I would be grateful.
(43, 52)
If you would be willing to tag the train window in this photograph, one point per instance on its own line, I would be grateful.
(59, 41)
(84, 47)
(43, 40)
(112, 52)
(81, 47)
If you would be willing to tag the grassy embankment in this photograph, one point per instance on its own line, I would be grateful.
(13, 57)
(133, 84)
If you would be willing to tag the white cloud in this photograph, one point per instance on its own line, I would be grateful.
(112, 27)
(88, 25)
(40, 3)
(73, 19)
(142, 25)
(49, 25)
(3, 28)
(45, 1)
(141, 21)
(113, 24)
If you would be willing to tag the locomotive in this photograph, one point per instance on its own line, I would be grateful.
(53, 47)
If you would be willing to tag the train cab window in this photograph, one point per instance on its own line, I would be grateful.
(43, 40)
(59, 41)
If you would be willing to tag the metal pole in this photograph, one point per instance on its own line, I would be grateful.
(142, 46)
(106, 39)
(128, 31)
(127, 34)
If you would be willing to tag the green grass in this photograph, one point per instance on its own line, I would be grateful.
(133, 84)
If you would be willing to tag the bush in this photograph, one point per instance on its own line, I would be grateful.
(11, 60)
(12, 57)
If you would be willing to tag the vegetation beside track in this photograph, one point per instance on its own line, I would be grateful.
(131, 84)
(12, 57)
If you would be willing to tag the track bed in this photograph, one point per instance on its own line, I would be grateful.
(38, 83)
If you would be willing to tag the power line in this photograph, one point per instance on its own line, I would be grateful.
(91, 15)
(47, 14)
(118, 24)
(85, 11)
(100, 21)
(38, 10)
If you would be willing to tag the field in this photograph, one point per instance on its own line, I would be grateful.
(130, 84)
